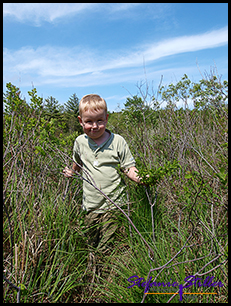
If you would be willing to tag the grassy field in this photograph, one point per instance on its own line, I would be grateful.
(176, 227)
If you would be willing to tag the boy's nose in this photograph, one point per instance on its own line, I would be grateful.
(94, 124)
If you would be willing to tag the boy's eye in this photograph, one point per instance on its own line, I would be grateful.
(98, 122)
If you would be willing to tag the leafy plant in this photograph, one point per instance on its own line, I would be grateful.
(154, 176)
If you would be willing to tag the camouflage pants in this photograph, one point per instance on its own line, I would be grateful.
(101, 230)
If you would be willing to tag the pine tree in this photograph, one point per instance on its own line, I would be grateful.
(51, 108)
(72, 112)
(72, 105)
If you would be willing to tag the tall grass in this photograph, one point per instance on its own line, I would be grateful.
(47, 244)
(182, 218)
(43, 244)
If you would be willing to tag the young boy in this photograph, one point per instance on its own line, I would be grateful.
(99, 152)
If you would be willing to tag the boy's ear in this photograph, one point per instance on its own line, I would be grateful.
(80, 120)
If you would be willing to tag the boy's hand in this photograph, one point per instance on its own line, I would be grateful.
(132, 173)
(68, 172)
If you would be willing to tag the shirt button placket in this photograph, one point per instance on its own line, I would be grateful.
(96, 160)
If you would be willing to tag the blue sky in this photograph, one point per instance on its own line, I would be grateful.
(110, 49)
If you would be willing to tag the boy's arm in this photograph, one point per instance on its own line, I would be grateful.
(69, 172)
(132, 173)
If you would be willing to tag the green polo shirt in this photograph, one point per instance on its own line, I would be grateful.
(99, 166)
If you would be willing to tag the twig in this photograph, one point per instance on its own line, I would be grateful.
(66, 190)
(200, 154)
(15, 287)
(152, 205)
(11, 237)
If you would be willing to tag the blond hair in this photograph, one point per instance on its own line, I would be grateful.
(92, 102)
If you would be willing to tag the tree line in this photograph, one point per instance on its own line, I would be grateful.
(64, 117)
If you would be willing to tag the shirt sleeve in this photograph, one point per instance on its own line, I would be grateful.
(76, 152)
(125, 155)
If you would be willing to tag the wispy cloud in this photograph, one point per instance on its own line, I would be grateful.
(192, 43)
(36, 13)
(50, 64)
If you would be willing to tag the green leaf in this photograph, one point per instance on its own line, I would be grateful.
(222, 170)
(188, 176)
(23, 289)
(40, 149)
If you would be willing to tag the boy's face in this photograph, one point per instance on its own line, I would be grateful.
(94, 123)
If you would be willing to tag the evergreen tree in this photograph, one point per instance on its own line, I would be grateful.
(72, 105)
(51, 108)
(12, 101)
(72, 112)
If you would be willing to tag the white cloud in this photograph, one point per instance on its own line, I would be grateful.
(187, 44)
(59, 65)
(177, 45)
(37, 12)
(50, 12)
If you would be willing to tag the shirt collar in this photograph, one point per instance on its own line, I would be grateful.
(94, 145)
